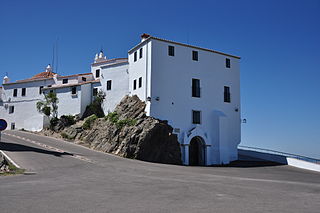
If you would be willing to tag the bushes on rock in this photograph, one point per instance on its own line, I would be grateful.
(68, 120)
(89, 121)
(113, 117)
(95, 107)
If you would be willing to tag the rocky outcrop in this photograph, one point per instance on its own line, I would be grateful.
(129, 133)
(4, 165)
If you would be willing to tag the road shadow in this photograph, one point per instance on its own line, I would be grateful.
(248, 164)
(13, 147)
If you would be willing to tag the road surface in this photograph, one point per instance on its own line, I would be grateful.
(64, 177)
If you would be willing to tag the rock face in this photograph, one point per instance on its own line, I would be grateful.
(4, 166)
(130, 133)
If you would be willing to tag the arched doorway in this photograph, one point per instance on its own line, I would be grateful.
(197, 152)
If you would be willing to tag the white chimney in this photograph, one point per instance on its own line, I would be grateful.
(5, 80)
(49, 68)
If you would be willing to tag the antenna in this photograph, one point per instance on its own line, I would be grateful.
(53, 51)
(57, 58)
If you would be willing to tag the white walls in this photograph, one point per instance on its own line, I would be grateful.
(171, 84)
(118, 75)
(25, 114)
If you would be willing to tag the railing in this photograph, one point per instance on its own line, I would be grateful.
(269, 151)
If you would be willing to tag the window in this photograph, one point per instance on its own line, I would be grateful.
(227, 94)
(196, 117)
(51, 91)
(95, 91)
(49, 85)
(228, 63)
(195, 55)
(84, 79)
(65, 81)
(109, 85)
(98, 73)
(135, 56)
(73, 90)
(11, 109)
(171, 50)
(140, 53)
(196, 88)
(13, 126)
(15, 92)
(40, 90)
(134, 84)
(140, 82)
(24, 90)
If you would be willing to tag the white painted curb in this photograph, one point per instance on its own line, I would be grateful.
(9, 159)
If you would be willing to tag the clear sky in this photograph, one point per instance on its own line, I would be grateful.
(278, 40)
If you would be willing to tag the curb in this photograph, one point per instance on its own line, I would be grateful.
(9, 159)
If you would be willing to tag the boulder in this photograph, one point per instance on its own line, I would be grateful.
(131, 134)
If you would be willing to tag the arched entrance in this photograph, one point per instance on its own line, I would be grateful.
(197, 152)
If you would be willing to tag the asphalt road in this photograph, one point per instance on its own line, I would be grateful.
(64, 177)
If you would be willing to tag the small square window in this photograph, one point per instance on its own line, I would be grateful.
(171, 50)
(98, 73)
(140, 82)
(13, 126)
(135, 56)
(196, 117)
(109, 85)
(23, 92)
(11, 109)
(84, 79)
(140, 53)
(40, 90)
(228, 63)
(65, 81)
(95, 91)
(134, 84)
(15, 92)
(195, 55)
(73, 90)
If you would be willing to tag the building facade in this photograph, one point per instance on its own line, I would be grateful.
(196, 90)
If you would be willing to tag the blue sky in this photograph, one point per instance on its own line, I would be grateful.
(279, 42)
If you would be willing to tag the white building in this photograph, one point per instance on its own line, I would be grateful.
(196, 89)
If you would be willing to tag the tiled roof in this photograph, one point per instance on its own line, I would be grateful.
(68, 76)
(114, 60)
(43, 75)
(57, 86)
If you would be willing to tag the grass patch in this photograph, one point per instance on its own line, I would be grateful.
(12, 170)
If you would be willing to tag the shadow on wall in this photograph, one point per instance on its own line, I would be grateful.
(13, 147)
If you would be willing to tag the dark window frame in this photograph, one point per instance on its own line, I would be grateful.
(11, 109)
(134, 84)
(196, 116)
(109, 84)
(140, 82)
(97, 73)
(15, 92)
(227, 94)
(171, 50)
(84, 79)
(195, 55)
(73, 90)
(65, 81)
(196, 89)
(40, 90)
(140, 52)
(135, 56)
(94, 91)
(24, 92)
(228, 63)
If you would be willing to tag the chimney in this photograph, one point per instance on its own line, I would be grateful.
(144, 36)
(5, 80)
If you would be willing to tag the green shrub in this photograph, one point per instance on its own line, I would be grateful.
(113, 117)
(68, 120)
(53, 122)
(64, 135)
(89, 121)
